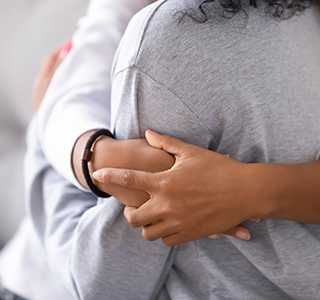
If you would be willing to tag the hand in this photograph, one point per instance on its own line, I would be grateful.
(204, 193)
(46, 72)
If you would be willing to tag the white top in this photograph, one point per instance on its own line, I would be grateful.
(24, 270)
(83, 76)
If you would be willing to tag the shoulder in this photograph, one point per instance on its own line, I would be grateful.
(132, 39)
(149, 30)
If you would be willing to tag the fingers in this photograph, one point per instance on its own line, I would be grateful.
(167, 143)
(143, 216)
(54, 59)
(156, 231)
(240, 232)
(133, 179)
(65, 49)
(46, 73)
(255, 220)
(57, 57)
(174, 240)
(214, 236)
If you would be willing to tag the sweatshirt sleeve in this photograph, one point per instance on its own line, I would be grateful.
(88, 243)
(78, 99)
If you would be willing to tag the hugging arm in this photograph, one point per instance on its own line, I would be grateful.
(80, 236)
(226, 193)
(78, 98)
(132, 154)
(89, 244)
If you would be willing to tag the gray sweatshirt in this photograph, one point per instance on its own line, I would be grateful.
(248, 91)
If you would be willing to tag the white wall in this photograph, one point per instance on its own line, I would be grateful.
(29, 30)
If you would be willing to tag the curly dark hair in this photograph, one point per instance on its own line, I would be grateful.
(281, 9)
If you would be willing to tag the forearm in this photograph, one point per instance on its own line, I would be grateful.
(290, 192)
(225, 193)
(134, 154)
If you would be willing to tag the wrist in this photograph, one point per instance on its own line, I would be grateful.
(289, 191)
(86, 159)
(280, 189)
(94, 163)
(266, 190)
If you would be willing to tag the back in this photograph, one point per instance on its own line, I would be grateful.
(248, 91)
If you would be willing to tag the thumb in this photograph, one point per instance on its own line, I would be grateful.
(167, 143)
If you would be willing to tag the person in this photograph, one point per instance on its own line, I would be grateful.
(284, 186)
(64, 217)
(78, 101)
(23, 263)
(235, 102)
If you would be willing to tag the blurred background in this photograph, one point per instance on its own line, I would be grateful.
(29, 31)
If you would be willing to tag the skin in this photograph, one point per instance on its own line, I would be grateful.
(184, 206)
(133, 154)
(46, 73)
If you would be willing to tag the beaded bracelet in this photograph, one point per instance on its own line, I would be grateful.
(85, 158)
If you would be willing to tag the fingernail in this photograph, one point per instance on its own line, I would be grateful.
(214, 236)
(151, 132)
(97, 176)
(65, 49)
(255, 220)
(242, 235)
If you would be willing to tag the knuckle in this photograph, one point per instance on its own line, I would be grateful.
(167, 242)
(127, 178)
(147, 235)
(132, 219)
(167, 208)
(165, 184)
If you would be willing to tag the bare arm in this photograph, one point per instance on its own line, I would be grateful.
(185, 206)
(291, 192)
(134, 154)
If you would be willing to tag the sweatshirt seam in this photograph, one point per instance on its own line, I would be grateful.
(134, 66)
(145, 30)
(141, 39)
